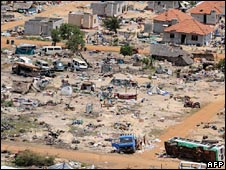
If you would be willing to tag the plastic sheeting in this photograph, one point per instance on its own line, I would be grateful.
(66, 91)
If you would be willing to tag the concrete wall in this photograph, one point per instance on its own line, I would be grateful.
(148, 27)
(85, 20)
(117, 9)
(75, 19)
(161, 6)
(57, 24)
(151, 5)
(32, 28)
(198, 17)
(158, 26)
(36, 27)
(98, 8)
(210, 19)
(109, 8)
(202, 40)
(94, 21)
(207, 39)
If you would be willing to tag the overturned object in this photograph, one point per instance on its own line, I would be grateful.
(195, 150)
(126, 96)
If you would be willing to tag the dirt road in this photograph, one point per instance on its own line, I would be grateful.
(144, 160)
(43, 43)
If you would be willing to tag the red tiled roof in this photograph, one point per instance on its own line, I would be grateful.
(190, 26)
(171, 14)
(207, 6)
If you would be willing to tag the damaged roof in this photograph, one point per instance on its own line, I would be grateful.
(172, 14)
(166, 50)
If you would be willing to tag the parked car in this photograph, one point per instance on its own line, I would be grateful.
(58, 65)
(42, 64)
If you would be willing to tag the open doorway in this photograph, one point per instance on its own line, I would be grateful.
(183, 37)
(204, 18)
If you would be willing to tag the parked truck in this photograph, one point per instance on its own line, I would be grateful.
(127, 143)
(28, 70)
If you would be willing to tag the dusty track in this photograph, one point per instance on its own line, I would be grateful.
(43, 43)
(144, 160)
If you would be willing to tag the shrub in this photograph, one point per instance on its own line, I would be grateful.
(126, 50)
(7, 103)
(29, 158)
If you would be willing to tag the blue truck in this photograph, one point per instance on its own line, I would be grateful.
(127, 143)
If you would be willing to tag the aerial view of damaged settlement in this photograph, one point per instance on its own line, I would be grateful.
(112, 84)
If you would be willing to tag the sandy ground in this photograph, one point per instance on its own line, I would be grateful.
(89, 47)
(43, 43)
(172, 111)
(144, 160)
(54, 11)
(176, 123)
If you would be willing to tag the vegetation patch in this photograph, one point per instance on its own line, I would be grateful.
(16, 125)
(29, 158)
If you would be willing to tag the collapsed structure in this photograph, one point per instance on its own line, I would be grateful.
(173, 54)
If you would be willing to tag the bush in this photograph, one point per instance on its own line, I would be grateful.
(7, 103)
(29, 158)
(126, 50)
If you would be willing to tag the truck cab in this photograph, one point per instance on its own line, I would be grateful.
(126, 143)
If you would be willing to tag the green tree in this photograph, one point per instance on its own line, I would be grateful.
(146, 61)
(126, 50)
(66, 31)
(112, 23)
(74, 36)
(55, 34)
(76, 42)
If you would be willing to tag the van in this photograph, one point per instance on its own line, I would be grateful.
(51, 50)
(79, 64)
(42, 64)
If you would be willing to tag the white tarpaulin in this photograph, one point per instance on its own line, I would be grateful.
(66, 91)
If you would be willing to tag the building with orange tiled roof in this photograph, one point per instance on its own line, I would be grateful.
(168, 18)
(208, 12)
(190, 32)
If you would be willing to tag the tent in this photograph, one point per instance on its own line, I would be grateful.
(61, 166)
